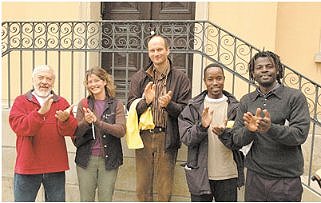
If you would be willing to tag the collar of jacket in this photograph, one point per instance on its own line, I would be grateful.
(149, 68)
(200, 98)
(29, 96)
(278, 92)
(198, 101)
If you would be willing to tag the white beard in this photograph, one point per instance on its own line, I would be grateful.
(42, 94)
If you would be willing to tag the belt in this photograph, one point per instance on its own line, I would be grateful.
(153, 131)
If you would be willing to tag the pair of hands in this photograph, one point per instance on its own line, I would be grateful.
(257, 123)
(149, 93)
(254, 123)
(90, 117)
(207, 116)
(61, 115)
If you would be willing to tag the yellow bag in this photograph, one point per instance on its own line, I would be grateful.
(133, 127)
(146, 120)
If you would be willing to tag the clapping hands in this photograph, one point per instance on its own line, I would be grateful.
(218, 130)
(149, 92)
(207, 116)
(46, 105)
(63, 115)
(90, 117)
(257, 123)
(165, 99)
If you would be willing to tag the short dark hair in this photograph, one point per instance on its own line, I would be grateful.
(213, 65)
(267, 54)
(161, 36)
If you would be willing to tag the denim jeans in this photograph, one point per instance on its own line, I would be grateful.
(26, 187)
(96, 176)
(154, 166)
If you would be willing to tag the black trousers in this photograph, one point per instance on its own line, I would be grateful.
(260, 189)
(222, 191)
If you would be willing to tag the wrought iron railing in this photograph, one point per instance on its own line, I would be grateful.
(73, 45)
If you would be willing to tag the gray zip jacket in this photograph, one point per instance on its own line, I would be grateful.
(195, 136)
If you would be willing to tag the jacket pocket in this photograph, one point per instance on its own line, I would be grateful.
(192, 156)
(197, 181)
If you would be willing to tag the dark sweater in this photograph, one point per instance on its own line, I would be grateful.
(276, 153)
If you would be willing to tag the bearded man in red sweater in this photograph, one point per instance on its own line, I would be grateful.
(41, 119)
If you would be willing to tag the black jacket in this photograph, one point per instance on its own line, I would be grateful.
(195, 136)
(84, 138)
(179, 84)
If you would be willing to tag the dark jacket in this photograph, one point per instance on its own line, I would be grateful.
(195, 136)
(84, 138)
(179, 84)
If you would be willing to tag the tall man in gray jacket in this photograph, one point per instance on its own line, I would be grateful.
(166, 90)
(275, 119)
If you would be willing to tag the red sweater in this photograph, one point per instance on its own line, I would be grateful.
(40, 143)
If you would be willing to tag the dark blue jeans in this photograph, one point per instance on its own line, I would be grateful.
(26, 187)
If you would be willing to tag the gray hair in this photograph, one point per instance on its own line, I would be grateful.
(43, 68)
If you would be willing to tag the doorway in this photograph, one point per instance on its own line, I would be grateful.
(126, 64)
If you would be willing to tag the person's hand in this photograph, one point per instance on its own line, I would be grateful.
(218, 130)
(165, 99)
(89, 117)
(64, 115)
(46, 105)
(206, 117)
(251, 122)
(149, 92)
(265, 123)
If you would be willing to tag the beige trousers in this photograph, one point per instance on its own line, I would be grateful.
(154, 168)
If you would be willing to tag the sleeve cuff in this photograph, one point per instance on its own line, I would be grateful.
(201, 127)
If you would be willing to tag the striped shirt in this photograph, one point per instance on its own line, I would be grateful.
(159, 79)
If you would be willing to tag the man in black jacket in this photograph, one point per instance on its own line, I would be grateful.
(166, 90)
(276, 120)
(214, 167)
